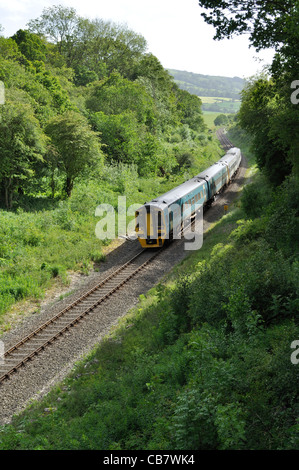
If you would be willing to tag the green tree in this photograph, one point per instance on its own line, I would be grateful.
(221, 120)
(9, 49)
(77, 144)
(261, 115)
(83, 75)
(58, 24)
(128, 141)
(190, 110)
(104, 46)
(120, 134)
(266, 22)
(30, 45)
(59, 95)
(150, 67)
(98, 45)
(274, 23)
(117, 95)
(22, 144)
(160, 86)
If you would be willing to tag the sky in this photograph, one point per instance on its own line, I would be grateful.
(174, 30)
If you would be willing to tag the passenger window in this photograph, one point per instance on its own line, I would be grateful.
(159, 220)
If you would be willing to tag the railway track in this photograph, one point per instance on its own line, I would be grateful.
(225, 142)
(47, 333)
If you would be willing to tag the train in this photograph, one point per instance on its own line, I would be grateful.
(162, 219)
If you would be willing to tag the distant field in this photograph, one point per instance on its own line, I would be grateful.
(219, 94)
(209, 117)
(220, 104)
(213, 99)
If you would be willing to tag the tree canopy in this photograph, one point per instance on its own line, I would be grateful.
(30, 45)
(92, 94)
(99, 46)
(266, 23)
(58, 24)
(76, 144)
(22, 144)
(267, 112)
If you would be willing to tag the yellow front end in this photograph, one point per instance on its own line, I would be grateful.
(150, 227)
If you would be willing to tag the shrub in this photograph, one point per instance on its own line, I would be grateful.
(256, 196)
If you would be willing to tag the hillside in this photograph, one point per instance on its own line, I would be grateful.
(225, 90)
(203, 361)
(83, 133)
(208, 85)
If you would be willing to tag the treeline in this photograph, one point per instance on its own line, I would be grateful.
(269, 116)
(80, 93)
(207, 85)
(269, 110)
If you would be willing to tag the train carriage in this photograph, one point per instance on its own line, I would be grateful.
(233, 160)
(162, 218)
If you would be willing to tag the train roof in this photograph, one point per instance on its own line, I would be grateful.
(214, 169)
(230, 155)
(209, 172)
(199, 180)
(176, 193)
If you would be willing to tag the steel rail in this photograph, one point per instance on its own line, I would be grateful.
(36, 349)
(14, 351)
(225, 142)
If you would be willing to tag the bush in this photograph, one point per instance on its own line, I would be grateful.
(221, 120)
(256, 196)
(283, 223)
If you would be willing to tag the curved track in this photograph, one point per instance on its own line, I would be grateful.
(47, 333)
(31, 345)
(225, 142)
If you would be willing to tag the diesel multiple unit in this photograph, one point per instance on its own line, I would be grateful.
(162, 218)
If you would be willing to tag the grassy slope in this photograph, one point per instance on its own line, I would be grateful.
(205, 85)
(134, 340)
(165, 379)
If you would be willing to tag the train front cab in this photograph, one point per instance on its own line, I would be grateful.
(150, 226)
